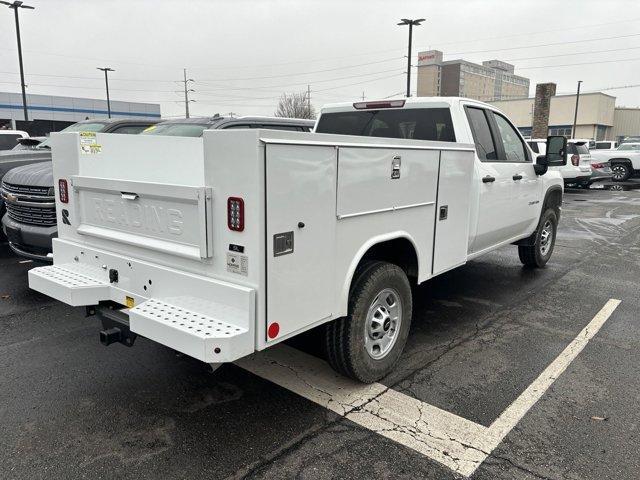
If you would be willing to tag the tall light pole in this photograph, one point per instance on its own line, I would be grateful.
(106, 82)
(575, 114)
(411, 23)
(15, 6)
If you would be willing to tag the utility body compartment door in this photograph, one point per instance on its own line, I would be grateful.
(300, 235)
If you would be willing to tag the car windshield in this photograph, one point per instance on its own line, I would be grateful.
(85, 127)
(629, 146)
(177, 129)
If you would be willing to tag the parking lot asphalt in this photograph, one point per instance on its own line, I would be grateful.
(71, 408)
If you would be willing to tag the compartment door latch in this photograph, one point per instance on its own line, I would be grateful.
(395, 167)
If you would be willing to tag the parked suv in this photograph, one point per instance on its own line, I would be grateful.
(577, 171)
(30, 219)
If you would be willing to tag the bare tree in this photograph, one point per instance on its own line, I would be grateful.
(295, 105)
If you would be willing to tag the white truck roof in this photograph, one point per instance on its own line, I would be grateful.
(410, 102)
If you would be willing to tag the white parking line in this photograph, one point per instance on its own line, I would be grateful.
(453, 441)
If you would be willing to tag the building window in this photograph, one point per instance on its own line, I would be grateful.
(564, 130)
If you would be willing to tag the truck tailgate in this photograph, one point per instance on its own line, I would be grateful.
(174, 219)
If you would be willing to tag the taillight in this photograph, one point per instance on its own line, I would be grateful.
(235, 214)
(598, 165)
(379, 104)
(575, 160)
(63, 190)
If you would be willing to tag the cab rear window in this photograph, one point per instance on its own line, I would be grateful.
(410, 123)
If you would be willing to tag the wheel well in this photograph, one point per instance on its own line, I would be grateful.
(398, 251)
(619, 160)
(553, 200)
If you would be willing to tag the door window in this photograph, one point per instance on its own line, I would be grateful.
(511, 142)
(482, 137)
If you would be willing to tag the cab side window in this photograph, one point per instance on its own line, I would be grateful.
(485, 145)
(512, 145)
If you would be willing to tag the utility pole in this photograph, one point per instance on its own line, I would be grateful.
(363, 96)
(106, 83)
(308, 101)
(186, 92)
(411, 23)
(15, 6)
(575, 114)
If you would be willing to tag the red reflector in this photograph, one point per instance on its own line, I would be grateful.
(63, 190)
(598, 165)
(274, 330)
(235, 214)
(379, 104)
(575, 160)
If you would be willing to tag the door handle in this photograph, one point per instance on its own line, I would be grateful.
(517, 177)
(488, 179)
(129, 196)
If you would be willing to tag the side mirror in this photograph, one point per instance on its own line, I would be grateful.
(541, 166)
(556, 151)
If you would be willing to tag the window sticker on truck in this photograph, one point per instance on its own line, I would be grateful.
(237, 263)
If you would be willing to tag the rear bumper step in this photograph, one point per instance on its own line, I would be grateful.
(209, 330)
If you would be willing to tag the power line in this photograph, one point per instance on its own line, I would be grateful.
(544, 44)
(581, 63)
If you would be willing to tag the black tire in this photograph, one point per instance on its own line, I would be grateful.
(345, 337)
(621, 172)
(538, 254)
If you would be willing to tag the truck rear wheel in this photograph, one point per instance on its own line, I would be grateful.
(620, 172)
(367, 343)
(538, 254)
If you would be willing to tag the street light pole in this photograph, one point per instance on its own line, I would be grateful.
(411, 23)
(15, 6)
(575, 114)
(106, 82)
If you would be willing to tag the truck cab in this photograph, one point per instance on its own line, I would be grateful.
(506, 189)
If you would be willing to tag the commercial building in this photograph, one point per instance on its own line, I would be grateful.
(492, 80)
(48, 113)
(598, 117)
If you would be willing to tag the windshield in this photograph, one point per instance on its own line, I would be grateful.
(85, 127)
(177, 129)
(415, 123)
(629, 146)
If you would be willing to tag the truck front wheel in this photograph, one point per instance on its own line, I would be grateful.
(538, 254)
(367, 343)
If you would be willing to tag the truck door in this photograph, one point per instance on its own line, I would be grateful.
(526, 189)
(496, 220)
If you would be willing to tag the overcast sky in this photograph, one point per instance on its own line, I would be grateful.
(342, 49)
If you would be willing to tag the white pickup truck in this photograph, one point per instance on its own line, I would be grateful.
(624, 161)
(224, 245)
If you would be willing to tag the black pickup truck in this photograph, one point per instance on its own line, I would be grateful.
(30, 221)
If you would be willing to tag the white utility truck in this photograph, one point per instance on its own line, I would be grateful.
(224, 245)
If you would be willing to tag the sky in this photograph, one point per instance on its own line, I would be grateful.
(243, 54)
